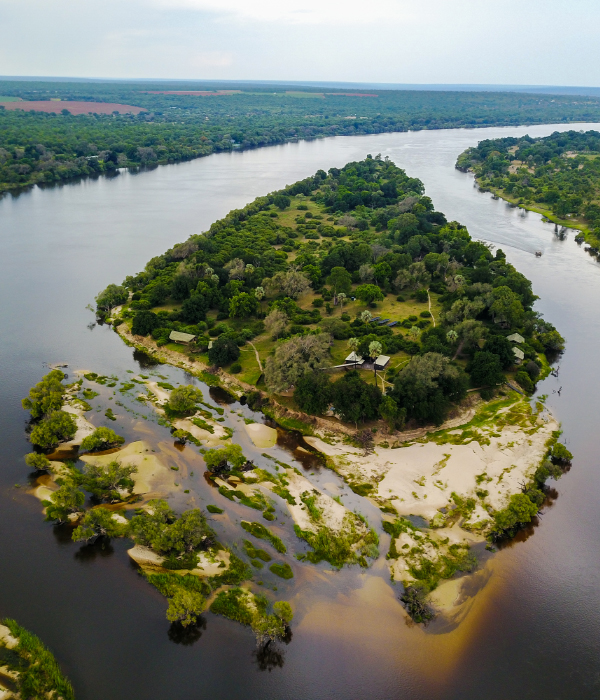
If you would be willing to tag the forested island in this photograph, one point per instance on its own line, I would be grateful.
(178, 125)
(557, 176)
(345, 308)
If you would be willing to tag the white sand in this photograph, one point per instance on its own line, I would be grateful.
(84, 427)
(261, 435)
(208, 564)
(6, 638)
(151, 476)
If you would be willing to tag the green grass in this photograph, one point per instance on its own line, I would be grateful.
(263, 533)
(214, 509)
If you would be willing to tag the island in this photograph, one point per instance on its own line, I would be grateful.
(343, 310)
(557, 176)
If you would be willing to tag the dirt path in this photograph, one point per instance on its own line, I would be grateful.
(432, 316)
(260, 367)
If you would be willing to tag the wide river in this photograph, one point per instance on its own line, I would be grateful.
(533, 630)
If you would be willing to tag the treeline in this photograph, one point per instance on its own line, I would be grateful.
(47, 148)
(392, 241)
(560, 172)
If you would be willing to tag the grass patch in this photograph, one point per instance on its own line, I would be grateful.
(255, 552)
(282, 570)
(214, 509)
(263, 533)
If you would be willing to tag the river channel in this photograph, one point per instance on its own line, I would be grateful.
(532, 631)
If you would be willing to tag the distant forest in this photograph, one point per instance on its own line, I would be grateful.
(37, 147)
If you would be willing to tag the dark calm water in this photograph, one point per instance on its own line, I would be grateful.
(533, 631)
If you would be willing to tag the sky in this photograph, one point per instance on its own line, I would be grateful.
(524, 42)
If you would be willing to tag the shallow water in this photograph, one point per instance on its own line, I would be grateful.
(532, 630)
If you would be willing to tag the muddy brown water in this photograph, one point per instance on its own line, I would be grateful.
(532, 629)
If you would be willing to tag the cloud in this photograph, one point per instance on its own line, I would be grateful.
(299, 11)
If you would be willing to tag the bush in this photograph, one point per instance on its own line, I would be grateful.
(101, 439)
(318, 302)
(37, 461)
(57, 427)
(313, 393)
(524, 380)
(425, 314)
(235, 368)
(214, 509)
(282, 570)
(183, 399)
(422, 295)
(144, 322)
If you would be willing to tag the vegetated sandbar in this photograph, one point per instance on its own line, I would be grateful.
(311, 273)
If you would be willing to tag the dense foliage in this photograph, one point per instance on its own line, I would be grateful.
(38, 147)
(559, 173)
(365, 232)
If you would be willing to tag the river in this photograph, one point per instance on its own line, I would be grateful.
(532, 631)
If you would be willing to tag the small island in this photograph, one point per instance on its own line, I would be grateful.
(343, 309)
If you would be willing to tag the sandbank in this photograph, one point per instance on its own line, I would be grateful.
(261, 435)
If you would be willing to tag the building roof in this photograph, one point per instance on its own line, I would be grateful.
(354, 358)
(519, 354)
(382, 360)
(181, 337)
(516, 338)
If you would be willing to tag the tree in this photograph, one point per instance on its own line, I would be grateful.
(291, 284)
(391, 413)
(375, 349)
(68, 499)
(37, 461)
(506, 306)
(313, 393)
(366, 273)
(353, 344)
(368, 293)
(46, 396)
(341, 297)
(366, 316)
(223, 351)
(426, 386)
(183, 399)
(259, 293)
(520, 510)
(97, 522)
(485, 369)
(54, 428)
(340, 280)
(275, 323)
(281, 201)
(224, 458)
(144, 322)
(354, 400)
(185, 606)
(108, 483)
(242, 305)
(194, 308)
(501, 347)
(112, 296)
(236, 269)
(187, 533)
(296, 358)
(101, 439)
(283, 610)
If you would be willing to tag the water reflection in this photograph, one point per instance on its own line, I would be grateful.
(101, 548)
(187, 636)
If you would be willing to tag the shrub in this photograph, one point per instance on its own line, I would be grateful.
(55, 428)
(524, 381)
(183, 399)
(282, 570)
(101, 439)
(235, 368)
(37, 461)
(422, 295)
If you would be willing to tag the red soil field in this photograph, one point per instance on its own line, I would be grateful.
(195, 93)
(73, 107)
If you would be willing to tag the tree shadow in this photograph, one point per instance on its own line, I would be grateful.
(187, 636)
(270, 655)
(100, 548)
